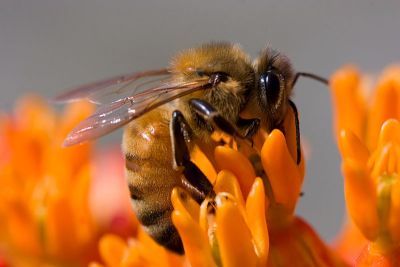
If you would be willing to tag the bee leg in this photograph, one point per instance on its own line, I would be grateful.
(212, 116)
(195, 182)
(248, 126)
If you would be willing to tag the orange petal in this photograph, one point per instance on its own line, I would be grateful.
(227, 182)
(397, 147)
(361, 198)
(256, 220)
(195, 242)
(381, 161)
(5, 146)
(23, 229)
(74, 155)
(234, 237)
(385, 158)
(290, 135)
(389, 132)
(208, 225)
(386, 104)
(87, 229)
(370, 257)
(349, 242)
(148, 248)
(204, 164)
(60, 227)
(282, 171)
(133, 258)
(394, 217)
(33, 115)
(393, 159)
(384, 188)
(299, 245)
(112, 249)
(348, 101)
(31, 133)
(234, 161)
(352, 148)
(182, 202)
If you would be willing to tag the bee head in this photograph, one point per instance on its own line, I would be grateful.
(226, 67)
(274, 85)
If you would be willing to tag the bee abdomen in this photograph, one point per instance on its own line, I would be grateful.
(166, 235)
(149, 217)
(153, 210)
(150, 186)
(158, 224)
(151, 177)
(135, 192)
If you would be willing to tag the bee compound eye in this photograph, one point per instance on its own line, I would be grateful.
(270, 83)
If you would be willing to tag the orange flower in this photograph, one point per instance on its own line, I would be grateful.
(251, 220)
(45, 216)
(265, 232)
(226, 229)
(361, 111)
(259, 230)
(372, 190)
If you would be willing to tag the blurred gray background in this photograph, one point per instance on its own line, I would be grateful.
(47, 46)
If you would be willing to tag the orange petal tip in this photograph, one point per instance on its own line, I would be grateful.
(235, 240)
(234, 161)
(283, 173)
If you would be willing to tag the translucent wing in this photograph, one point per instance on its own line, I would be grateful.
(118, 113)
(118, 87)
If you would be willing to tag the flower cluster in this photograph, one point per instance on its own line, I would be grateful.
(251, 220)
(369, 143)
(45, 190)
(66, 207)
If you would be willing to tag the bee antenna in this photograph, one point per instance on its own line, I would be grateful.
(311, 76)
(294, 108)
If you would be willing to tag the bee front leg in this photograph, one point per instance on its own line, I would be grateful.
(209, 114)
(244, 129)
(248, 126)
(195, 182)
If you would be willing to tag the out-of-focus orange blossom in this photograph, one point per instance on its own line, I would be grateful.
(350, 242)
(109, 200)
(139, 250)
(45, 213)
(360, 112)
(363, 108)
(372, 191)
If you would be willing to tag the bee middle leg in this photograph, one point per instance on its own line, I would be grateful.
(244, 129)
(195, 182)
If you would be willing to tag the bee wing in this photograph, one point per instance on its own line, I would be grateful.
(112, 116)
(112, 89)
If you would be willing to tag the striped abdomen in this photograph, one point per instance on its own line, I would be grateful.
(150, 176)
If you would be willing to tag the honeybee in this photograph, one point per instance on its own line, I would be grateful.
(204, 89)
